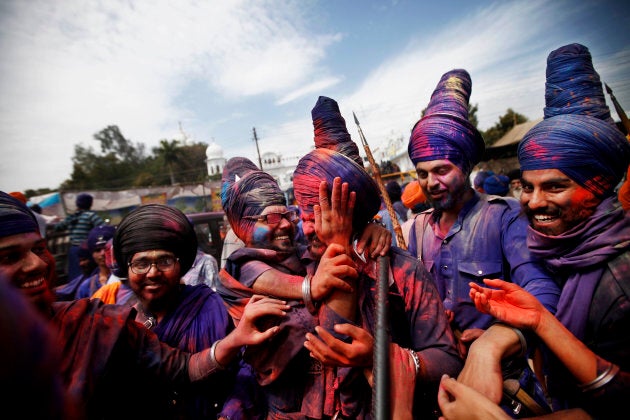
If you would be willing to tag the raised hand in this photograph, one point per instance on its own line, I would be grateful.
(508, 302)
(335, 270)
(375, 239)
(258, 307)
(333, 216)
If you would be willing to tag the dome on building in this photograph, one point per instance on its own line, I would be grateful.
(214, 151)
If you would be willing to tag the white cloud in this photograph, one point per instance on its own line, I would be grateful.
(70, 68)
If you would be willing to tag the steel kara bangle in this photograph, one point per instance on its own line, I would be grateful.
(306, 295)
(602, 379)
(213, 357)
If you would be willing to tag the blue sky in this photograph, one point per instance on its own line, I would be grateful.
(70, 68)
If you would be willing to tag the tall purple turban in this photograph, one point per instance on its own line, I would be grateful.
(247, 191)
(335, 155)
(155, 226)
(15, 217)
(577, 135)
(445, 132)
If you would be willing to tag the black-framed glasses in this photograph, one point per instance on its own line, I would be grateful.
(144, 266)
(275, 218)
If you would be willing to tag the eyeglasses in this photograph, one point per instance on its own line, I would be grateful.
(144, 266)
(275, 218)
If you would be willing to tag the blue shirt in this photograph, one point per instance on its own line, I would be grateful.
(486, 241)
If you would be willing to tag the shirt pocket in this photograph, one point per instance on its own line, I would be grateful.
(476, 271)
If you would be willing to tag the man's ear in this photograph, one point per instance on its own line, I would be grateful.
(592, 201)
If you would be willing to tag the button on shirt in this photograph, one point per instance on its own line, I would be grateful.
(486, 241)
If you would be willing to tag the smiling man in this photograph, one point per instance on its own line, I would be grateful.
(572, 162)
(466, 235)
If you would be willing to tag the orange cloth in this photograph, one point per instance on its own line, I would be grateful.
(20, 196)
(413, 195)
(624, 192)
(108, 292)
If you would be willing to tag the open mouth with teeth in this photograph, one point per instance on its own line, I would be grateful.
(544, 218)
(32, 284)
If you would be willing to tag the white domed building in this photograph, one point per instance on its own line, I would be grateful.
(214, 159)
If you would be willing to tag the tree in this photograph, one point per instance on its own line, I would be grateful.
(505, 124)
(169, 154)
(116, 167)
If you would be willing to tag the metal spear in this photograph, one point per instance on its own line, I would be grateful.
(622, 114)
(381, 187)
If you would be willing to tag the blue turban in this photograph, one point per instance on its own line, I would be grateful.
(155, 226)
(15, 217)
(445, 132)
(481, 177)
(84, 201)
(573, 86)
(99, 235)
(336, 155)
(497, 184)
(592, 152)
(247, 191)
(577, 136)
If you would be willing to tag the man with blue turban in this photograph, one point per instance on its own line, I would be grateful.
(109, 363)
(571, 163)
(422, 345)
(467, 236)
(79, 224)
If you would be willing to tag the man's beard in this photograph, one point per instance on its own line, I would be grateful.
(450, 201)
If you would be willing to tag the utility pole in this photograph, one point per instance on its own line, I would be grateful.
(257, 149)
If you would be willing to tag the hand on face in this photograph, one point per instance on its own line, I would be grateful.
(335, 270)
(333, 217)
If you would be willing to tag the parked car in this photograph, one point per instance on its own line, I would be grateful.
(209, 226)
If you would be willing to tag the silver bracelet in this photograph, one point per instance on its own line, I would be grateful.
(213, 356)
(306, 295)
(521, 338)
(416, 360)
(601, 380)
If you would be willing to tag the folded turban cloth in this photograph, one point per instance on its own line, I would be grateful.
(481, 177)
(335, 155)
(99, 236)
(15, 217)
(84, 201)
(247, 191)
(577, 135)
(413, 195)
(497, 184)
(573, 86)
(155, 226)
(445, 132)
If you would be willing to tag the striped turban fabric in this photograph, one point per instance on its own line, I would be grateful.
(335, 155)
(577, 135)
(445, 132)
(155, 226)
(247, 191)
(15, 217)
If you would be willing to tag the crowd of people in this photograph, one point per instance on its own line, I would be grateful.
(510, 297)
